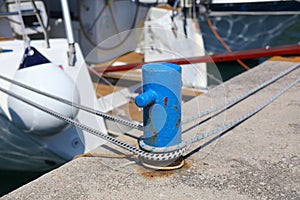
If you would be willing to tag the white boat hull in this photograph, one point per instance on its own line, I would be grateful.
(29, 152)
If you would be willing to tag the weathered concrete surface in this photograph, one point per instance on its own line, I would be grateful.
(258, 159)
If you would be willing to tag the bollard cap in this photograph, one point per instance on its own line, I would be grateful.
(161, 67)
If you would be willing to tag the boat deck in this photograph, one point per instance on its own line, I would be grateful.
(259, 159)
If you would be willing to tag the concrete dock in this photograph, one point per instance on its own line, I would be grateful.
(259, 159)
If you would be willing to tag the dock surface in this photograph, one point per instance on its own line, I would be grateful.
(259, 159)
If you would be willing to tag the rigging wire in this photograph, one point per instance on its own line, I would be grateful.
(86, 35)
(97, 17)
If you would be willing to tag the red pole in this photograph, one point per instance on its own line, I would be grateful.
(230, 56)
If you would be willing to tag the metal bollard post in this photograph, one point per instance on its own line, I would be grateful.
(161, 102)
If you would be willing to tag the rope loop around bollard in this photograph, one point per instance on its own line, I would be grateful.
(162, 155)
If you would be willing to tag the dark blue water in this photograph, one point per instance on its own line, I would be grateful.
(10, 180)
(291, 35)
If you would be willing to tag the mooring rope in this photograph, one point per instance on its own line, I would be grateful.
(156, 154)
(241, 97)
(139, 126)
(141, 153)
(224, 127)
(132, 124)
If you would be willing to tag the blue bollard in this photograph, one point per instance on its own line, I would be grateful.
(161, 102)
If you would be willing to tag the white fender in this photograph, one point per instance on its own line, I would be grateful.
(48, 78)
